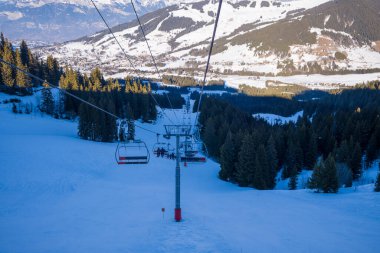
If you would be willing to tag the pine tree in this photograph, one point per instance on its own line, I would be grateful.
(24, 51)
(272, 162)
(329, 183)
(343, 153)
(246, 162)
(2, 42)
(316, 177)
(294, 159)
(311, 152)
(101, 123)
(355, 163)
(22, 80)
(134, 87)
(261, 169)
(33, 64)
(144, 99)
(111, 122)
(6, 70)
(96, 79)
(293, 179)
(52, 70)
(47, 104)
(210, 137)
(227, 159)
(371, 153)
(84, 125)
(152, 109)
(377, 184)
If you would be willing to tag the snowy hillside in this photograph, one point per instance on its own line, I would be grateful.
(276, 119)
(62, 194)
(299, 36)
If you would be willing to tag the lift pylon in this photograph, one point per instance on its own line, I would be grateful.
(178, 131)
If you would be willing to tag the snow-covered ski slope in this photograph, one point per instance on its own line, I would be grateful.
(59, 193)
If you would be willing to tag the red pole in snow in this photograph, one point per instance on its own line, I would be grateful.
(177, 210)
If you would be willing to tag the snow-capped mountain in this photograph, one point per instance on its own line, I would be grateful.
(63, 20)
(298, 36)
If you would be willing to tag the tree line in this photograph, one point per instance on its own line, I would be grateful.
(130, 101)
(128, 98)
(339, 129)
(17, 82)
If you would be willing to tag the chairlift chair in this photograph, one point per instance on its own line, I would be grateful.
(132, 152)
(192, 152)
(165, 147)
(188, 148)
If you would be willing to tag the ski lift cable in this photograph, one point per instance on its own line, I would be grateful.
(146, 41)
(151, 54)
(70, 94)
(208, 60)
(130, 61)
(156, 102)
(117, 41)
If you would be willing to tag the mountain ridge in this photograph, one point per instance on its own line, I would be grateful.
(53, 21)
(254, 38)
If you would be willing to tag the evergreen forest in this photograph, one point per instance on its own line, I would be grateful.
(339, 133)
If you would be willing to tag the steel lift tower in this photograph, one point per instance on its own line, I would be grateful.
(177, 131)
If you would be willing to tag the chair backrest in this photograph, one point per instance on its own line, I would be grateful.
(135, 152)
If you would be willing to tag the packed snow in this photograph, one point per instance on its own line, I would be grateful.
(315, 81)
(59, 193)
(277, 119)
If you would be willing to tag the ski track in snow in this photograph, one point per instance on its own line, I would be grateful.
(59, 193)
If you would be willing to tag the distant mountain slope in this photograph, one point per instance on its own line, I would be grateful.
(63, 20)
(255, 36)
